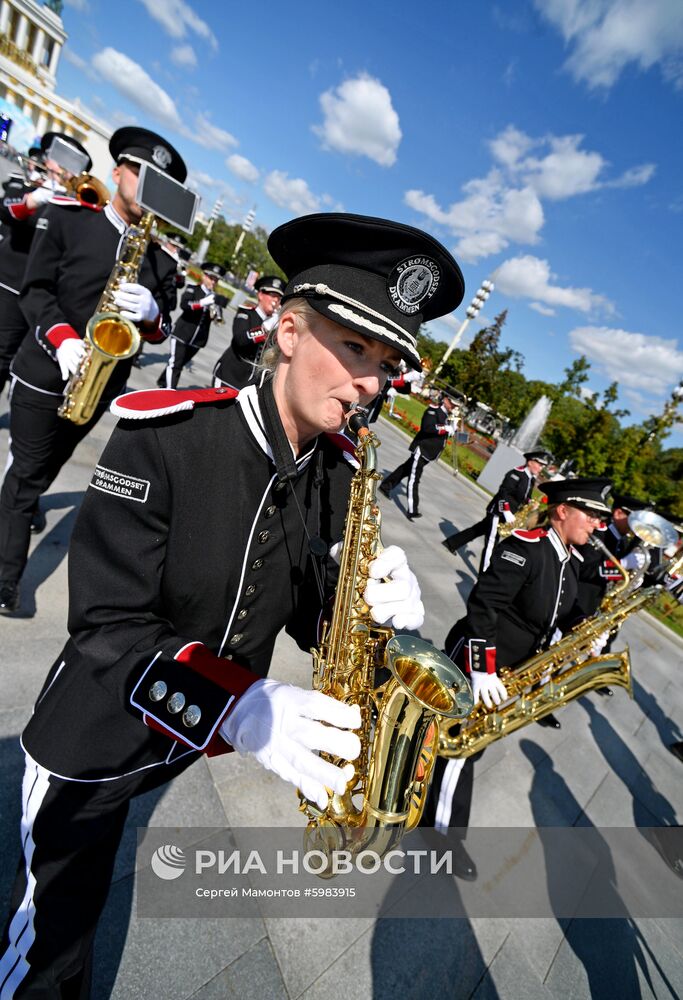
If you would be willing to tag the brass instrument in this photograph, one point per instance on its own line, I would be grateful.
(88, 189)
(400, 717)
(109, 338)
(525, 519)
(554, 677)
(216, 313)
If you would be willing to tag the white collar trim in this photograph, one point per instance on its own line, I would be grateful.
(248, 400)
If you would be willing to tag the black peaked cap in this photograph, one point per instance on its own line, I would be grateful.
(142, 146)
(377, 277)
(587, 493)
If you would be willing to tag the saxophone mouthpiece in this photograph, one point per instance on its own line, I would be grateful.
(358, 420)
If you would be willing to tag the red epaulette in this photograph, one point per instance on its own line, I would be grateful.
(145, 403)
(535, 535)
(346, 446)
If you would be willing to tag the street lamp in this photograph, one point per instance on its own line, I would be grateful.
(204, 245)
(473, 308)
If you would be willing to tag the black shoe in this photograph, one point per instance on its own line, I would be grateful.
(463, 865)
(383, 488)
(9, 597)
(38, 521)
(413, 517)
(606, 692)
(549, 722)
(677, 749)
(447, 545)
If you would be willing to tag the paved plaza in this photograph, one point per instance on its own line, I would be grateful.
(607, 767)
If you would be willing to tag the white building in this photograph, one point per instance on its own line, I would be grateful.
(31, 40)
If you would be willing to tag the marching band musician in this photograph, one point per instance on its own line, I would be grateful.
(199, 304)
(250, 328)
(172, 629)
(529, 589)
(427, 445)
(71, 260)
(23, 197)
(514, 492)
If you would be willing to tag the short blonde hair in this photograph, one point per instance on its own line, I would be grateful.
(271, 354)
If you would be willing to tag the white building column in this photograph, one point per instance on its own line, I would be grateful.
(22, 32)
(55, 58)
(4, 15)
(41, 124)
(38, 43)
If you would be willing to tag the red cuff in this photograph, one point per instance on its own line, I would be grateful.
(60, 332)
(153, 334)
(215, 748)
(20, 211)
(479, 656)
(196, 305)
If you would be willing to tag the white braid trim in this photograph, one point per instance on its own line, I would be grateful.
(321, 289)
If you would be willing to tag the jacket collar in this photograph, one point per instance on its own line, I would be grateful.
(251, 411)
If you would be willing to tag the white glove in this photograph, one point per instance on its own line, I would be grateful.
(599, 643)
(276, 723)
(634, 560)
(41, 195)
(509, 516)
(69, 355)
(488, 688)
(396, 600)
(555, 637)
(271, 322)
(208, 300)
(136, 302)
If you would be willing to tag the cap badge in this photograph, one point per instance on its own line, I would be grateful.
(412, 282)
(162, 157)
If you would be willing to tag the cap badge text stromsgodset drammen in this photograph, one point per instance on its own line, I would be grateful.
(412, 282)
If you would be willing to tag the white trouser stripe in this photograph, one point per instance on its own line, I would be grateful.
(13, 964)
(490, 542)
(411, 480)
(449, 783)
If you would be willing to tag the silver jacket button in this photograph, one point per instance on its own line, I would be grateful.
(158, 691)
(192, 715)
(176, 703)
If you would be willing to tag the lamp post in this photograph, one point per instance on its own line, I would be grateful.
(473, 308)
(246, 226)
(204, 245)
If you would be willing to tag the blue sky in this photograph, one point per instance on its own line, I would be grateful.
(540, 140)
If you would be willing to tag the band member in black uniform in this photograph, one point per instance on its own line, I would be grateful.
(172, 629)
(201, 305)
(529, 589)
(250, 328)
(175, 246)
(428, 443)
(598, 571)
(71, 259)
(19, 212)
(514, 491)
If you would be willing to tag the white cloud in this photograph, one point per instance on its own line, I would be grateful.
(506, 206)
(79, 63)
(293, 193)
(177, 18)
(243, 168)
(635, 360)
(131, 80)
(606, 36)
(184, 56)
(360, 119)
(543, 310)
(530, 277)
(208, 135)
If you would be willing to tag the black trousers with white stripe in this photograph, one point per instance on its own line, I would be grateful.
(13, 329)
(411, 470)
(180, 354)
(70, 834)
(41, 442)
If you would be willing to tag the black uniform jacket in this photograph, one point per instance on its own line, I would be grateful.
(193, 326)
(513, 492)
(72, 257)
(18, 227)
(528, 590)
(235, 366)
(597, 571)
(186, 562)
(433, 433)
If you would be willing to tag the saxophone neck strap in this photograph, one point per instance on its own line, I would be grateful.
(283, 457)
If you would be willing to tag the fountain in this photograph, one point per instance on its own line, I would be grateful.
(525, 438)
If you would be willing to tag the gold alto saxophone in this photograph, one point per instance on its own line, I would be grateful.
(552, 678)
(400, 717)
(525, 519)
(109, 338)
